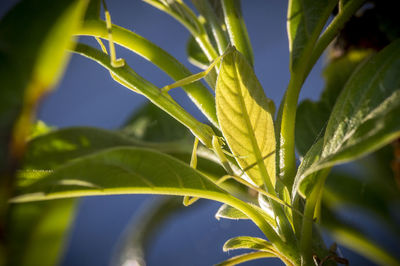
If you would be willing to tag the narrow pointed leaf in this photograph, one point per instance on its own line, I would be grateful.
(306, 19)
(365, 117)
(248, 242)
(245, 117)
(228, 212)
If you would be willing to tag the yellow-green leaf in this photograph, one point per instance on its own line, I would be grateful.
(245, 117)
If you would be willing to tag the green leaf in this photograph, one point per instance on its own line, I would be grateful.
(228, 212)
(39, 228)
(365, 117)
(248, 242)
(49, 151)
(370, 96)
(305, 21)
(312, 117)
(133, 171)
(121, 171)
(245, 117)
(150, 123)
(29, 71)
(55, 148)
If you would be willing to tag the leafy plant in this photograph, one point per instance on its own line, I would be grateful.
(246, 159)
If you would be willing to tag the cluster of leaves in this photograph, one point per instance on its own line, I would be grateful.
(357, 115)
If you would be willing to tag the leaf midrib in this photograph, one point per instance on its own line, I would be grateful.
(256, 150)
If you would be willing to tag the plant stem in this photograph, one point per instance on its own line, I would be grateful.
(332, 30)
(286, 140)
(237, 29)
(287, 159)
(199, 94)
(207, 11)
(307, 226)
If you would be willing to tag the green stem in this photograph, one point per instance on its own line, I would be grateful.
(135, 82)
(332, 30)
(207, 11)
(199, 94)
(286, 140)
(299, 73)
(237, 29)
(307, 227)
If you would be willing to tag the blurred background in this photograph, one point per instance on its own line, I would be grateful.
(87, 96)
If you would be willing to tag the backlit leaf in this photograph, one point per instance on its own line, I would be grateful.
(228, 212)
(245, 117)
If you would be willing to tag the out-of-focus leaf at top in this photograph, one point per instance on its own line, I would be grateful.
(33, 38)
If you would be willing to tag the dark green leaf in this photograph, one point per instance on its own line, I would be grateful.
(365, 117)
(306, 19)
(312, 117)
(38, 232)
(121, 171)
(245, 117)
(248, 242)
(49, 151)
